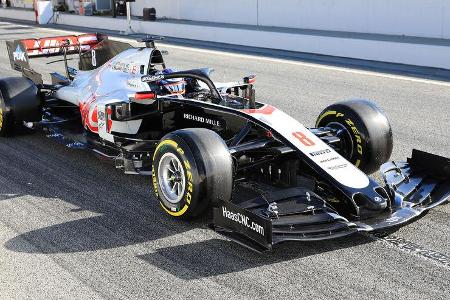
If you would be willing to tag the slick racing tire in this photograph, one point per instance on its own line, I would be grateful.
(191, 169)
(19, 101)
(6, 118)
(364, 130)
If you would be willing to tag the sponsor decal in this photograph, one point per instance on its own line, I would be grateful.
(320, 152)
(53, 45)
(201, 119)
(101, 120)
(94, 58)
(101, 116)
(19, 54)
(50, 46)
(133, 83)
(151, 78)
(243, 220)
(131, 68)
(328, 159)
(338, 167)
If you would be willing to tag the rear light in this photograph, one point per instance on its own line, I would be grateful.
(144, 96)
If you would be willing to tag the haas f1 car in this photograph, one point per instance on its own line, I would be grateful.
(211, 148)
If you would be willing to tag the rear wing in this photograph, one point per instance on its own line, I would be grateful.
(21, 51)
(93, 49)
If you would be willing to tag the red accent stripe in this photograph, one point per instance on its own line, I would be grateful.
(108, 118)
(265, 110)
(84, 109)
(144, 96)
(95, 115)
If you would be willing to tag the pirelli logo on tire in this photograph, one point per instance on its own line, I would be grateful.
(356, 134)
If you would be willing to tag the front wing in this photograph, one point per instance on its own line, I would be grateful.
(295, 214)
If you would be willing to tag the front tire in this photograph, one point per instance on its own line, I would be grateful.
(191, 169)
(365, 132)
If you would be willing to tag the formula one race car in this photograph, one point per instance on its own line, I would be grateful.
(263, 177)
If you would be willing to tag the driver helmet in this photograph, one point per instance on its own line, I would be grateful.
(173, 86)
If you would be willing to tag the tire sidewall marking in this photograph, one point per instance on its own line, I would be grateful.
(2, 112)
(348, 120)
(1, 118)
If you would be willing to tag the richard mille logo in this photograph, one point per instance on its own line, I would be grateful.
(201, 119)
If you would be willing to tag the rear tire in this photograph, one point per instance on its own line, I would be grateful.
(19, 101)
(191, 169)
(6, 119)
(366, 132)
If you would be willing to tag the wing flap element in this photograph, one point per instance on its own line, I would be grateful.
(422, 182)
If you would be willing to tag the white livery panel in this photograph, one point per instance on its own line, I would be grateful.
(309, 144)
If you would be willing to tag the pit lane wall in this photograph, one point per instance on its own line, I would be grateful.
(435, 55)
(422, 18)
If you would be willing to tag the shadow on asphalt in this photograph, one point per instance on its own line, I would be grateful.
(92, 234)
(216, 257)
(93, 205)
(121, 212)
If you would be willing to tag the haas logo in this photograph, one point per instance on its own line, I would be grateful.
(19, 54)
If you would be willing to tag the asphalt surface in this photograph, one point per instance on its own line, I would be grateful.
(71, 226)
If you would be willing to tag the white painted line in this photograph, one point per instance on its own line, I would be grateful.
(279, 60)
(313, 65)
(440, 259)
